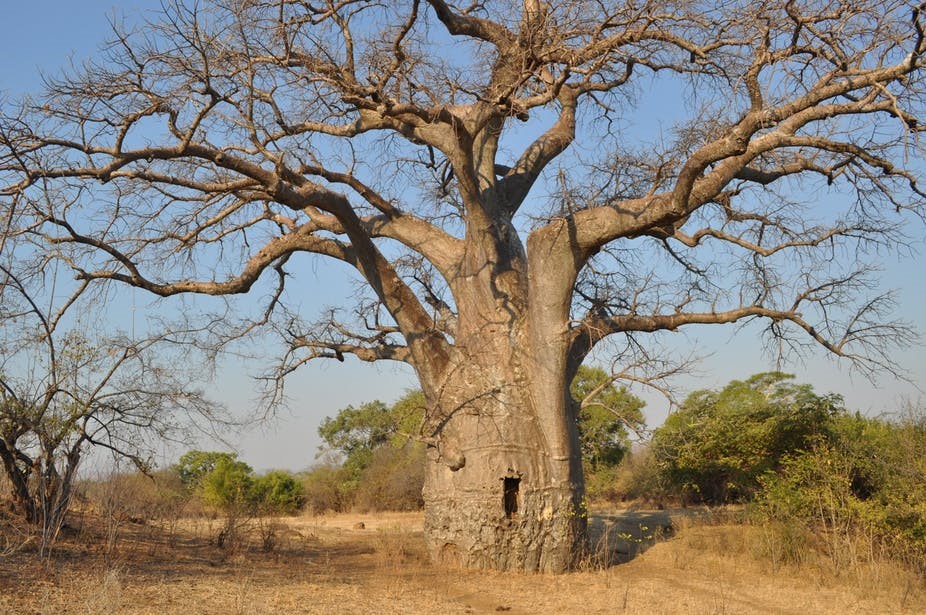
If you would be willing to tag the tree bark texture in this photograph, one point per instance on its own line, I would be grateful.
(497, 494)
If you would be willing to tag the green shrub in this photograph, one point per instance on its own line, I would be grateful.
(715, 448)
(194, 465)
(868, 479)
(278, 493)
(357, 434)
(229, 486)
(225, 483)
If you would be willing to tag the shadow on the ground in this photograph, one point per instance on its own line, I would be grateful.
(618, 537)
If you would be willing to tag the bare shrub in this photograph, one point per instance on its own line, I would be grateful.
(157, 500)
(101, 591)
(15, 533)
(396, 547)
(324, 489)
(393, 480)
(637, 477)
(784, 544)
(269, 529)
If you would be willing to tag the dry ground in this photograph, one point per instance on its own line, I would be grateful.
(330, 565)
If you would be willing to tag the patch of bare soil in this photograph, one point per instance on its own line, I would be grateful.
(377, 564)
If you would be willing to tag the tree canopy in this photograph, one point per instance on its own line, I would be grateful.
(343, 128)
(607, 417)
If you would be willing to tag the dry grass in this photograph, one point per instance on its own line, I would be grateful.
(329, 564)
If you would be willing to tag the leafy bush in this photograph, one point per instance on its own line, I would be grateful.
(358, 433)
(225, 483)
(383, 467)
(868, 478)
(818, 479)
(716, 447)
(229, 486)
(278, 493)
(194, 465)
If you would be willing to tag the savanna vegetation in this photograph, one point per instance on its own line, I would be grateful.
(378, 450)
(785, 456)
(763, 470)
(801, 464)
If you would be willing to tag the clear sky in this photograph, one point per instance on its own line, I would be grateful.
(43, 35)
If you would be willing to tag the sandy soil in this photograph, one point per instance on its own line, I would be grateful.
(330, 564)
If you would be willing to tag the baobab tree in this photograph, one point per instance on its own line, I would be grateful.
(478, 168)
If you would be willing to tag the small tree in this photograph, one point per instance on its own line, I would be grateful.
(278, 493)
(194, 465)
(607, 416)
(63, 391)
(356, 433)
(229, 487)
(376, 441)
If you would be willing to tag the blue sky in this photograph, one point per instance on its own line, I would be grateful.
(42, 36)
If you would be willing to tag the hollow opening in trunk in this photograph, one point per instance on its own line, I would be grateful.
(510, 498)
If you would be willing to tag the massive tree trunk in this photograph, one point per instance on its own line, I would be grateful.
(498, 493)
(504, 487)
